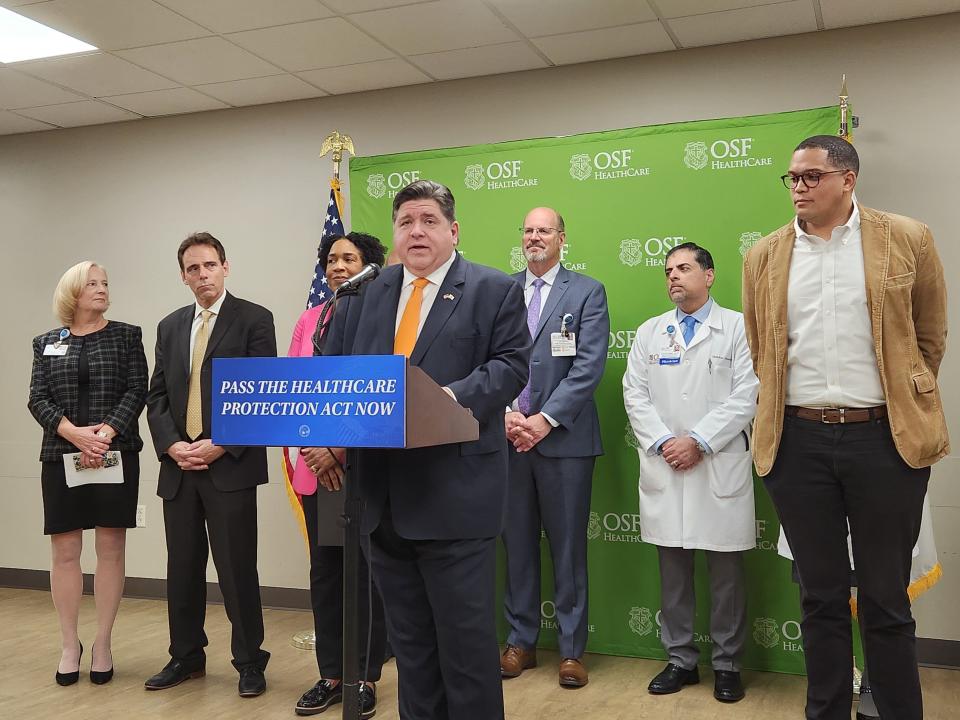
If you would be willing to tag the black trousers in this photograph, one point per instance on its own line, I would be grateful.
(824, 477)
(230, 518)
(439, 600)
(326, 596)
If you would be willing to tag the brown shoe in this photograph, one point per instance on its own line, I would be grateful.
(573, 673)
(515, 660)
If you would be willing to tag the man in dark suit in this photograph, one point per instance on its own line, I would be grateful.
(555, 434)
(433, 514)
(206, 488)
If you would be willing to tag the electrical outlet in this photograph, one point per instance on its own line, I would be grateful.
(141, 515)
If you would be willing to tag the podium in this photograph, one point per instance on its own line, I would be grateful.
(357, 402)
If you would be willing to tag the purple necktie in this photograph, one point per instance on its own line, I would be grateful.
(533, 319)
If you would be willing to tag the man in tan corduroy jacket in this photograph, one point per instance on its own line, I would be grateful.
(845, 312)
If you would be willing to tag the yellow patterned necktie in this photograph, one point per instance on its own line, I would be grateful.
(406, 336)
(194, 402)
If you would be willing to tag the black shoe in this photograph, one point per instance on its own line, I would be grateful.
(319, 698)
(672, 679)
(252, 681)
(172, 675)
(101, 677)
(368, 700)
(727, 686)
(70, 678)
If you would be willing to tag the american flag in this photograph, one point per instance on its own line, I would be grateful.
(332, 225)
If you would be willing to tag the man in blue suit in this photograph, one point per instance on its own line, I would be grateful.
(433, 514)
(554, 433)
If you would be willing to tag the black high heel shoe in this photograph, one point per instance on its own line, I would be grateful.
(98, 677)
(70, 678)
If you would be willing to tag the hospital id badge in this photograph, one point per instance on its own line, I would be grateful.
(563, 344)
(670, 357)
(56, 349)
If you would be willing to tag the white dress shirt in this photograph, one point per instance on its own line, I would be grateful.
(430, 291)
(198, 320)
(831, 361)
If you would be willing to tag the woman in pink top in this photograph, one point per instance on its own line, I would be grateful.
(342, 257)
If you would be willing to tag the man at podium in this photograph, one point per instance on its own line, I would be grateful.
(433, 514)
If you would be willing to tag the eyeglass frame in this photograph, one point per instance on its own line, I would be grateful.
(797, 179)
(541, 231)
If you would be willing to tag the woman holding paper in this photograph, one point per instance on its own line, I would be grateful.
(87, 389)
(340, 257)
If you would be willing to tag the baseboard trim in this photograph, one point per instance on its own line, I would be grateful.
(931, 652)
(278, 598)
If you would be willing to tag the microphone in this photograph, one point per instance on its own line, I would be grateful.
(352, 284)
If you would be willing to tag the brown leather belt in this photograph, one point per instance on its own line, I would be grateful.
(833, 416)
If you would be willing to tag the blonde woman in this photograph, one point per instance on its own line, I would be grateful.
(87, 389)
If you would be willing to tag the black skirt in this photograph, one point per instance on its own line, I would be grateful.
(89, 506)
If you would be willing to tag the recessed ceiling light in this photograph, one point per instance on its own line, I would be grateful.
(24, 39)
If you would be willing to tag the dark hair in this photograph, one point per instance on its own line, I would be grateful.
(201, 238)
(427, 190)
(841, 154)
(371, 249)
(701, 255)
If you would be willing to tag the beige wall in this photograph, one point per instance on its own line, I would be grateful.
(127, 193)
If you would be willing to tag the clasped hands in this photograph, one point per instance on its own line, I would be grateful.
(196, 455)
(93, 441)
(525, 432)
(326, 464)
(681, 453)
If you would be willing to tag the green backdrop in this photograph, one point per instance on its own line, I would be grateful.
(627, 196)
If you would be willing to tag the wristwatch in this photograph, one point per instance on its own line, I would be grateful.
(700, 447)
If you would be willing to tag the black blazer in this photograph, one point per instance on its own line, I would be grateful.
(118, 386)
(474, 341)
(242, 329)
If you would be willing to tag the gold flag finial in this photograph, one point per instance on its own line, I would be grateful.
(337, 143)
(844, 130)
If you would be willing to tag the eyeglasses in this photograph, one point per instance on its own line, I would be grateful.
(810, 179)
(541, 231)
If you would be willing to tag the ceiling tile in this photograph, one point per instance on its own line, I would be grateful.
(489, 60)
(590, 45)
(309, 45)
(87, 112)
(97, 74)
(11, 124)
(568, 16)
(682, 8)
(257, 91)
(205, 60)
(166, 102)
(788, 18)
(17, 91)
(114, 24)
(435, 26)
(365, 76)
(224, 16)
(354, 6)
(844, 13)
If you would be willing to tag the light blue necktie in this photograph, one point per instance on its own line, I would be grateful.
(689, 328)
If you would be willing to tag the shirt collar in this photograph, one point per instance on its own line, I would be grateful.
(215, 308)
(844, 232)
(436, 277)
(700, 315)
(549, 277)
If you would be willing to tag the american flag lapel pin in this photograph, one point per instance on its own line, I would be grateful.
(448, 296)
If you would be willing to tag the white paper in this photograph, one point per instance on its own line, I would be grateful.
(111, 473)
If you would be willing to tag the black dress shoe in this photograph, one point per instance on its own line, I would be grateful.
(672, 679)
(252, 682)
(101, 677)
(727, 686)
(320, 697)
(172, 675)
(70, 678)
(368, 701)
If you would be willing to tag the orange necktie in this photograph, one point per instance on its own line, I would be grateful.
(406, 336)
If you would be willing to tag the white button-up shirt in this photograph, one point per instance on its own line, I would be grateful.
(831, 360)
(430, 291)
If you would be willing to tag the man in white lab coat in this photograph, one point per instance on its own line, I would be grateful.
(690, 393)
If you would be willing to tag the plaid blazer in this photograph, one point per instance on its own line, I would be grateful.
(117, 386)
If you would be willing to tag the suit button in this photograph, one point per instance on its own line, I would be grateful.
(683, 397)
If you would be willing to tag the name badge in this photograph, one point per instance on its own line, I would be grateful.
(56, 349)
(563, 344)
(670, 357)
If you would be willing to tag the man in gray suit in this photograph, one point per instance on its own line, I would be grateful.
(555, 435)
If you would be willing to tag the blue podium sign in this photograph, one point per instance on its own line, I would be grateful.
(349, 401)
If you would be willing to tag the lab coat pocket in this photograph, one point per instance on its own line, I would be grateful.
(731, 474)
(654, 473)
(721, 383)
